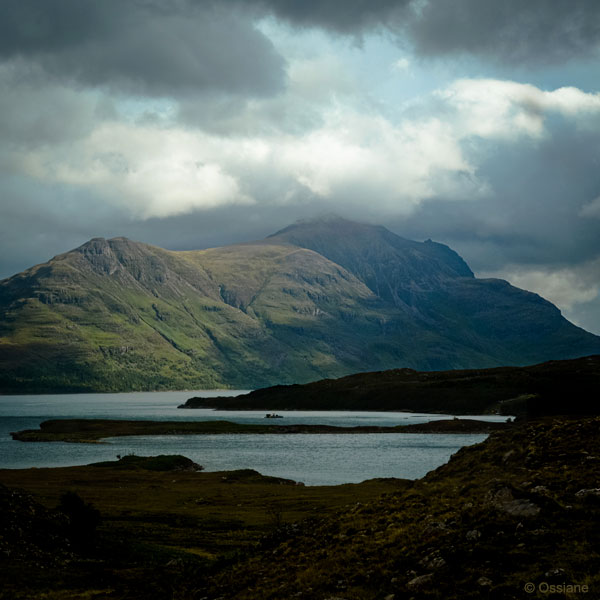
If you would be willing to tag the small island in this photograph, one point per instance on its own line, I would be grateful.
(94, 430)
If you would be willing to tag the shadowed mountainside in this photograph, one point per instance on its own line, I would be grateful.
(319, 299)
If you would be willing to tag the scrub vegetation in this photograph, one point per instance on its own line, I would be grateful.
(521, 508)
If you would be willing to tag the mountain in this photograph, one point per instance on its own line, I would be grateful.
(433, 283)
(318, 299)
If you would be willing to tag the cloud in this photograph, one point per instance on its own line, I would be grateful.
(349, 17)
(492, 108)
(180, 48)
(346, 155)
(148, 171)
(512, 31)
(402, 65)
(35, 111)
(144, 47)
(156, 171)
(312, 85)
(532, 212)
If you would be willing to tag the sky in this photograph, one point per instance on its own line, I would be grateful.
(196, 123)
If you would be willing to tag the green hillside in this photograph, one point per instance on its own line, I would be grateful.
(117, 315)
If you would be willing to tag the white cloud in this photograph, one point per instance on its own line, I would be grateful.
(402, 65)
(492, 108)
(320, 78)
(150, 171)
(158, 171)
(349, 155)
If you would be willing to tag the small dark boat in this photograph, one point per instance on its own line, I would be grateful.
(273, 416)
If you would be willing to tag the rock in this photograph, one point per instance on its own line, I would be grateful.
(434, 528)
(420, 582)
(390, 597)
(473, 535)
(504, 500)
(507, 455)
(175, 562)
(585, 493)
(540, 489)
(521, 508)
(555, 573)
(433, 561)
(484, 582)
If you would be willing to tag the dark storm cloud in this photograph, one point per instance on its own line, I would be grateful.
(538, 31)
(156, 48)
(33, 227)
(532, 215)
(349, 16)
(507, 31)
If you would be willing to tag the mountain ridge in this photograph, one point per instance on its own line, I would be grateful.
(314, 300)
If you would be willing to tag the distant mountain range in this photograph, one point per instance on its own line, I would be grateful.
(318, 299)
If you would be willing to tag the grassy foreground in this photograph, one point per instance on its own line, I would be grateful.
(94, 430)
(517, 516)
(164, 526)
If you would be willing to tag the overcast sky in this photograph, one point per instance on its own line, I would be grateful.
(197, 123)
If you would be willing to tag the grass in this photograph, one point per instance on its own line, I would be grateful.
(159, 527)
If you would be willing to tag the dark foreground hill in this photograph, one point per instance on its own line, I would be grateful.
(517, 516)
(555, 387)
(319, 299)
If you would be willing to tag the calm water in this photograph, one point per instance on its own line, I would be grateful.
(312, 459)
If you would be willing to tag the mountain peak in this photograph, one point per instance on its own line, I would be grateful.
(331, 223)
(393, 267)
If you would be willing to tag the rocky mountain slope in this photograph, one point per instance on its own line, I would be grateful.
(319, 299)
